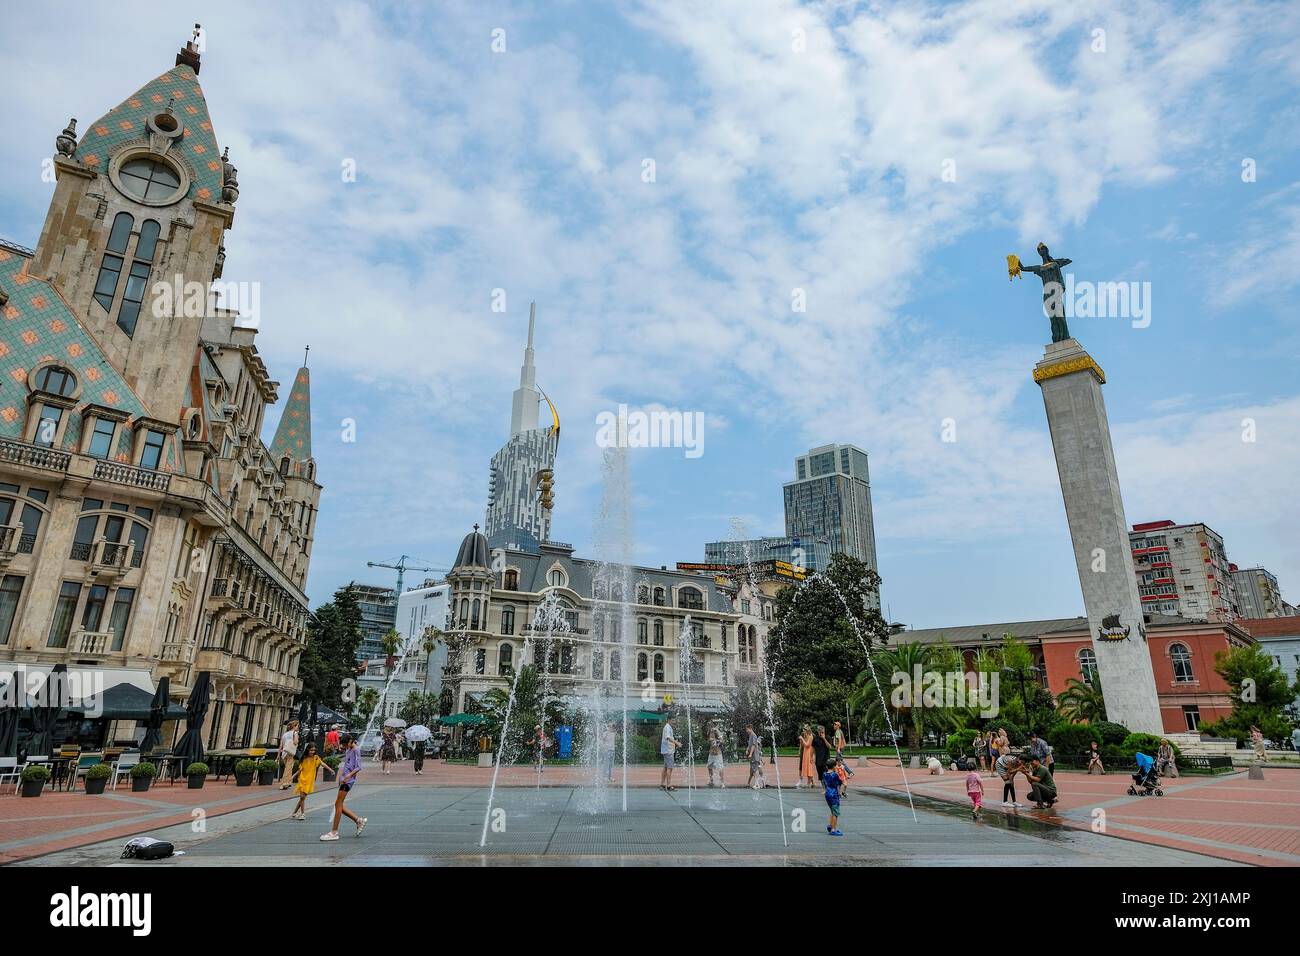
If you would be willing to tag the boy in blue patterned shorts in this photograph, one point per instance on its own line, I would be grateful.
(831, 781)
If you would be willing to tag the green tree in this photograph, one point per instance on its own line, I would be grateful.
(1082, 703)
(367, 701)
(745, 704)
(814, 637)
(1259, 691)
(333, 636)
(908, 715)
(526, 714)
(419, 708)
(812, 701)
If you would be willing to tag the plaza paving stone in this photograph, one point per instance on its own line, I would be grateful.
(437, 818)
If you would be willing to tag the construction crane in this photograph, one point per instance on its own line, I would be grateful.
(401, 567)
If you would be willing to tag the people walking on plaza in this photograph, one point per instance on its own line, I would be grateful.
(667, 750)
(288, 747)
(418, 753)
(1168, 767)
(332, 739)
(1257, 739)
(608, 743)
(388, 750)
(716, 764)
(832, 784)
(1007, 766)
(540, 743)
(349, 770)
(807, 764)
(1042, 786)
(754, 754)
(981, 746)
(307, 767)
(975, 790)
(1094, 759)
(821, 751)
(838, 742)
(994, 752)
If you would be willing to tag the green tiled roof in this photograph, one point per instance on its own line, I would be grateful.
(293, 434)
(126, 122)
(36, 325)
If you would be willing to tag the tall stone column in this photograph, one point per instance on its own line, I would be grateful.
(1076, 416)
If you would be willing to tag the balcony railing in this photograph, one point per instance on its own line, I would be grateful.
(174, 652)
(111, 557)
(130, 475)
(89, 643)
(10, 537)
(22, 453)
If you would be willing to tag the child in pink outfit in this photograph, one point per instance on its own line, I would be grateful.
(975, 790)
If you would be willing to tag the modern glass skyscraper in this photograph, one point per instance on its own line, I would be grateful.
(830, 498)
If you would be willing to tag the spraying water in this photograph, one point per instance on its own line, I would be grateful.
(614, 557)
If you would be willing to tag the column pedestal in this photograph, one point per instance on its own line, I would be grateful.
(1085, 461)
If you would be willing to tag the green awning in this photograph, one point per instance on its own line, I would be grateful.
(455, 719)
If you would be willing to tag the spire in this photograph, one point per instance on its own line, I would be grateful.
(189, 55)
(293, 434)
(523, 411)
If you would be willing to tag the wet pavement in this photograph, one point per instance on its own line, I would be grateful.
(419, 826)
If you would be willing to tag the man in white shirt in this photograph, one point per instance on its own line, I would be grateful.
(288, 750)
(667, 750)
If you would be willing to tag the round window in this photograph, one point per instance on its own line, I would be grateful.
(149, 180)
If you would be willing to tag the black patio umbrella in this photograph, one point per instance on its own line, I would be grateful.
(157, 714)
(190, 746)
(51, 699)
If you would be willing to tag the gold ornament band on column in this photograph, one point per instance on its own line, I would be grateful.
(1073, 365)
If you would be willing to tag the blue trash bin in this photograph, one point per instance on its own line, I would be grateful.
(564, 737)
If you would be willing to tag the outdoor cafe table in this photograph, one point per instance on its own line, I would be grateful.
(58, 769)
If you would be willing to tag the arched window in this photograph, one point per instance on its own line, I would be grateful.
(615, 666)
(643, 595)
(597, 663)
(616, 591)
(690, 598)
(110, 268)
(659, 597)
(473, 618)
(659, 668)
(56, 379)
(555, 578)
(138, 278)
(505, 659)
(1182, 660)
(507, 620)
(598, 590)
(641, 632)
(659, 633)
(616, 630)
(642, 670)
(464, 611)
(512, 580)
(1088, 665)
(284, 466)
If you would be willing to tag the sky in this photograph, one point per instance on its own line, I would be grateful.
(790, 218)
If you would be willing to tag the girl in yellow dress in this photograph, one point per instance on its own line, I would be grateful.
(307, 768)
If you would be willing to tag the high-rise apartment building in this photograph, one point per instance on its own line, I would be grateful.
(830, 498)
(1183, 569)
(1258, 594)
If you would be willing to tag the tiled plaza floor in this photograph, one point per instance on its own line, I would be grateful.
(559, 817)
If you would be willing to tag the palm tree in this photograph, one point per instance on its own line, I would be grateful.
(367, 701)
(910, 717)
(1082, 702)
(391, 643)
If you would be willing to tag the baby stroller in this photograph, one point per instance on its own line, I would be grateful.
(1147, 778)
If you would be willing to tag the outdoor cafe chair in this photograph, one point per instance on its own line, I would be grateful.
(9, 771)
(84, 763)
(123, 764)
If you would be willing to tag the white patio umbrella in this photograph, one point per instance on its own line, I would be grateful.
(395, 722)
(418, 733)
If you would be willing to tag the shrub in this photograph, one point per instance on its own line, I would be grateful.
(1017, 736)
(1072, 739)
(333, 761)
(246, 766)
(196, 769)
(267, 766)
(1111, 733)
(37, 771)
(1147, 743)
(100, 771)
(961, 742)
(643, 749)
(144, 769)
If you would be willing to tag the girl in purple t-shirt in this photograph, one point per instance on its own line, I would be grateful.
(348, 772)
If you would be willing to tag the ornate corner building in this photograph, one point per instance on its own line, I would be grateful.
(144, 526)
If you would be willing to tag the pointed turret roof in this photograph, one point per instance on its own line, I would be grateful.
(125, 123)
(293, 434)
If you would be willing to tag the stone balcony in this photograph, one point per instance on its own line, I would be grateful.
(89, 645)
(10, 537)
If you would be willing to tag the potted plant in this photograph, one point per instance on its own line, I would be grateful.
(244, 771)
(196, 773)
(142, 775)
(34, 778)
(266, 772)
(331, 767)
(97, 776)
